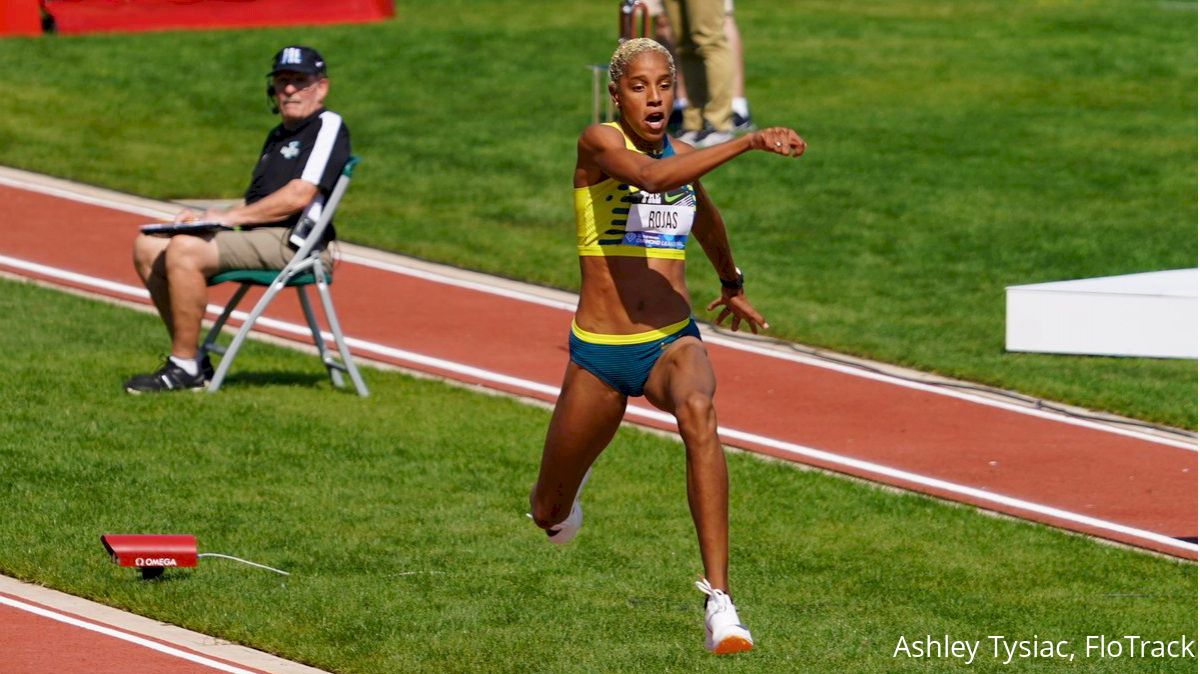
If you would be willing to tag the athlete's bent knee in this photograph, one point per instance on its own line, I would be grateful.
(696, 409)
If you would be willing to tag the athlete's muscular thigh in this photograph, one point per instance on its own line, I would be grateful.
(682, 371)
(586, 418)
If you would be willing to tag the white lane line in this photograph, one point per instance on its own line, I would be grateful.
(73, 277)
(93, 200)
(952, 393)
(962, 490)
(131, 638)
(733, 343)
(444, 279)
(862, 467)
(14, 180)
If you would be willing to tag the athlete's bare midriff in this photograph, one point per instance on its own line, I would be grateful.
(628, 295)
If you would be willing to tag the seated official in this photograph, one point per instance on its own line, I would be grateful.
(301, 159)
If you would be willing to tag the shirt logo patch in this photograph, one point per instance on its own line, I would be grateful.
(291, 150)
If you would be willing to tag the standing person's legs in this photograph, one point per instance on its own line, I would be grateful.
(682, 383)
(664, 32)
(742, 120)
(689, 64)
(586, 417)
(706, 30)
(734, 37)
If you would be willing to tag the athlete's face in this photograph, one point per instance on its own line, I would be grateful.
(644, 96)
(298, 95)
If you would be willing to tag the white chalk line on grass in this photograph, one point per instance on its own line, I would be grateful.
(124, 636)
(857, 466)
(96, 196)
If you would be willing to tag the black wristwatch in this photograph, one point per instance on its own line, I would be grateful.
(735, 285)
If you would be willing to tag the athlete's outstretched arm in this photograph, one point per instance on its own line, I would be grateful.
(710, 233)
(604, 148)
(709, 230)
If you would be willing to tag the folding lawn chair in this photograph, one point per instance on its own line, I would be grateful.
(305, 268)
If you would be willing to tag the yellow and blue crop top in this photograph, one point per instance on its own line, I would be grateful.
(613, 218)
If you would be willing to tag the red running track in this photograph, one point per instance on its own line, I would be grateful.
(1122, 486)
(42, 630)
(34, 643)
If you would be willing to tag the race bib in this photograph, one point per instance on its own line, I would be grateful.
(662, 219)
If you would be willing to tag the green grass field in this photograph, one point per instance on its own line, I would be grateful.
(956, 147)
(401, 518)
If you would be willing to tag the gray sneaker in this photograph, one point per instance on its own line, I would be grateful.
(693, 137)
(712, 138)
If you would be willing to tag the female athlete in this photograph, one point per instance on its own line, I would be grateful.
(637, 199)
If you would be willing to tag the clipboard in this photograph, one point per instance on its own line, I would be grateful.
(171, 228)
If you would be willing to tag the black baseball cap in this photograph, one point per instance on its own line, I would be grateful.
(298, 59)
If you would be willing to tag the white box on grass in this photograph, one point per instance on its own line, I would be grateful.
(1151, 314)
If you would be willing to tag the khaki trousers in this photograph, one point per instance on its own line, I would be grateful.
(706, 61)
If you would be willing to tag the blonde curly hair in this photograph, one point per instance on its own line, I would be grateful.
(630, 50)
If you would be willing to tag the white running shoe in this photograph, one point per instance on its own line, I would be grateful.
(564, 531)
(724, 632)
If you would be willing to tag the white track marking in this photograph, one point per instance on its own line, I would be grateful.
(73, 277)
(124, 636)
(96, 196)
(858, 466)
(444, 279)
(804, 359)
(94, 200)
(952, 393)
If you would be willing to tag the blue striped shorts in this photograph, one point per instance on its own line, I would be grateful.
(624, 361)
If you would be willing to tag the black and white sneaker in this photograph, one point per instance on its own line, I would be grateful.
(170, 377)
(743, 124)
(694, 137)
(711, 138)
(706, 137)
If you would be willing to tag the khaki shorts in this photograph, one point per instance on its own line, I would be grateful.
(257, 248)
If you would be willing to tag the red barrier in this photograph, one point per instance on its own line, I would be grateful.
(98, 16)
(20, 17)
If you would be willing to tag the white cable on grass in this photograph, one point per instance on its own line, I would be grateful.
(243, 561)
